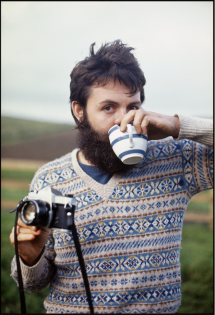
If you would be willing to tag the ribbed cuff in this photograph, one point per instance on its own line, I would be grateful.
(32, 272)
(196, 129)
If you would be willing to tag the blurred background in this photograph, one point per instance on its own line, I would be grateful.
(41, 43)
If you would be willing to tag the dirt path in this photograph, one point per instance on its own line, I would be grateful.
(21, 165)
(9, 204)
(14, 184)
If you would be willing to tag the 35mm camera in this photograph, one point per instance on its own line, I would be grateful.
(48, 208)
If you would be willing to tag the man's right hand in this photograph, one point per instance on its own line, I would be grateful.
(31, 241)
(157, 126)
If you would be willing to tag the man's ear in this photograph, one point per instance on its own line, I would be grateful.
(77, 110)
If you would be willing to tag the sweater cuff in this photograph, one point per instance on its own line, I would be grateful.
(32, 272)
(196, 129)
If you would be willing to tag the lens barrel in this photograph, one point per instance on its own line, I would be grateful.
(35, 212)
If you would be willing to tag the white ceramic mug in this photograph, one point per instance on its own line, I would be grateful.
(128, 146)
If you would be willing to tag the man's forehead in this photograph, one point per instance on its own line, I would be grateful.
(112, 87)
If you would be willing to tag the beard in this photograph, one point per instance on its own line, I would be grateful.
(97, 150)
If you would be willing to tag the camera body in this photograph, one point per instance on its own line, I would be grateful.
(48, 208)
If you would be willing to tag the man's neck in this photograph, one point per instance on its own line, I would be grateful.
(82, 159)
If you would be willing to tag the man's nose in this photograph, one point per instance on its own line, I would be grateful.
(122, 112)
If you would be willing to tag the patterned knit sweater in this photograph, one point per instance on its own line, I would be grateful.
(129, 229)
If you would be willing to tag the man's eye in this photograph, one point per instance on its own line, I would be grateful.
(108, 108)
(133, 107)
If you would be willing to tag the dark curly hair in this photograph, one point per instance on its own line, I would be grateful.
(112, 61)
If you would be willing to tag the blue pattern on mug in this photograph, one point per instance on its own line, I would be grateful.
(129, 146)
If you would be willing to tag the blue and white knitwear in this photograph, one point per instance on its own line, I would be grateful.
(129, 229)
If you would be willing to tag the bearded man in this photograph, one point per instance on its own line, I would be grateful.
(129, 217)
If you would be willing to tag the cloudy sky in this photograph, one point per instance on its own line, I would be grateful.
(42, 41)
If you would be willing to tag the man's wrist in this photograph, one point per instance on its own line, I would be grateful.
(176, 126)
(32, 261)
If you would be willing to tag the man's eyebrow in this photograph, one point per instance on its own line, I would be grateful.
(116, 103)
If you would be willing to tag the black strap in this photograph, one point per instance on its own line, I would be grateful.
(21, 291)
(81, 262)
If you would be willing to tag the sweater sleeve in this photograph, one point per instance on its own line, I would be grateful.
(197, 129)
(196, 139)
(42, 273)
(38, 276)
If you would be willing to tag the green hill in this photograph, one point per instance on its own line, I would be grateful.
(15, 130)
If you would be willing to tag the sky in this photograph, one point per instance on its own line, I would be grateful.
(42, 42)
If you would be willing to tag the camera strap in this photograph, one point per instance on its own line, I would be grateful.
(81, 262)
(21, 290)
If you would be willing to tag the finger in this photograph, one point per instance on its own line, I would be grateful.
(22, 224)
(138, 118)
(25, 237)
(21, 237)
(145, 123)
(28, 231)
(11, 237)
(126, 120)
(150, 119)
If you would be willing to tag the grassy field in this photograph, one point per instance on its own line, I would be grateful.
(14, 130)
(197, 269)
(196, 259)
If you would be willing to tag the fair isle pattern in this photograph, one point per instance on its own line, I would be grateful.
(127, 208)
(115, 228)
(136, 279)
(161, 308)
(125, 264)
(124, 245)
(54, 176)
(118, 298)
(205, 174)
(131, 240)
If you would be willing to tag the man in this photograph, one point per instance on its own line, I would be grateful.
(129, 218)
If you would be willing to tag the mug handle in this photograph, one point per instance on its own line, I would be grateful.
(129, 130)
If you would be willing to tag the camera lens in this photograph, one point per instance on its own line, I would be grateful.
(29, 212)
(35, 212)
